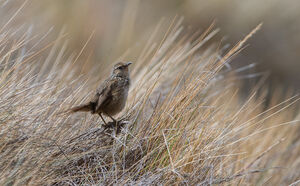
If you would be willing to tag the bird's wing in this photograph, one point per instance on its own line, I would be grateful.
(104, 98)
(103, 94)
(94, 101)
(99, 91)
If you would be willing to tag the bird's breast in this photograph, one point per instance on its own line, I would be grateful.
(119, 96)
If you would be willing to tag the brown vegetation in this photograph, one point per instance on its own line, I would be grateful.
(184, 123)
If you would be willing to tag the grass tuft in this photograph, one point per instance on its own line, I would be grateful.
(184, 123)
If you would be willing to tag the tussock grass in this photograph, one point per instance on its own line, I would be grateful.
(184, 123)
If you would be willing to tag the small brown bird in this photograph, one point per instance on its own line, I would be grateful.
(111, 96)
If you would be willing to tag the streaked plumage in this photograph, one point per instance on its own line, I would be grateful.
(111, 96)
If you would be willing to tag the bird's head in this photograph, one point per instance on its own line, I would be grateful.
(121, 69)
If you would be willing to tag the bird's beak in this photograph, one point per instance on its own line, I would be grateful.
(128, 63)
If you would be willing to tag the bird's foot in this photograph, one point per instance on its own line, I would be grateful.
(110, 124)
(118, 125)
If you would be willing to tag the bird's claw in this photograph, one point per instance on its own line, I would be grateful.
(110, 124)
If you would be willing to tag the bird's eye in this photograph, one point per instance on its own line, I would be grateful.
(120, 67)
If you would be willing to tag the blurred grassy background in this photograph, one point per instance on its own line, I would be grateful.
(120, 25)
(194, 125)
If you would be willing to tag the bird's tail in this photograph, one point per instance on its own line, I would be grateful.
(80, 108)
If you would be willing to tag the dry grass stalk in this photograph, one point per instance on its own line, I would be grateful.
(185, 121)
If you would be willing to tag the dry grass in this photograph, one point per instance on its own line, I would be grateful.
(184, 123)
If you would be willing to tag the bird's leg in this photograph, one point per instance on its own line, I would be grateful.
(102, 118)
(115, 121)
